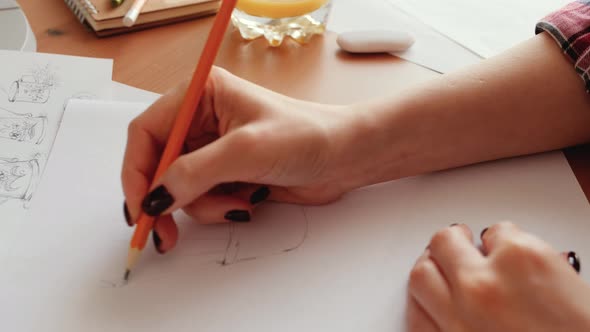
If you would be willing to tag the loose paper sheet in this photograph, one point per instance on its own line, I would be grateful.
(34, 90)
(485, 27)
(341, 267)
(431, 49)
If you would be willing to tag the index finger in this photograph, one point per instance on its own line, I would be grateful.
(146, 138)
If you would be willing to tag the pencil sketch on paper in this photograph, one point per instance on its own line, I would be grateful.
(33, 87)
(24, 128)
(275, 232)
(273, 235)
(19, 179)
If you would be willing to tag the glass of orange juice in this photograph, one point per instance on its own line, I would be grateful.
(277, 19)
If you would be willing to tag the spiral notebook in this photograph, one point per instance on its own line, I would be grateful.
(105, 20)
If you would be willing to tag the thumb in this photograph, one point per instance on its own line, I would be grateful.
(194, 174)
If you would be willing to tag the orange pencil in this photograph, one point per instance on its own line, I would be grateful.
(182, 123)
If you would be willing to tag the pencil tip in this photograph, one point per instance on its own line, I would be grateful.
(126, 277)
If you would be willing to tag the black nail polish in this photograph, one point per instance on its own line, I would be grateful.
(126, 214)
(483, 232)
(157, 201)
(238, 216)
(157, 242)
(574, 261)
(259, 195)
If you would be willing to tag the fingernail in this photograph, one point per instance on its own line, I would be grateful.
(574, 261)
(127, 215)
(238, 216)
(259, 195)
(157, 201)
(157, 242)
(483, 232)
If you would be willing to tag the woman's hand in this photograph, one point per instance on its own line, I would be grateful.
(515, 283)
(246, 144)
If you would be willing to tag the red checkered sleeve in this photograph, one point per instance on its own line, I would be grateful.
(570, 27)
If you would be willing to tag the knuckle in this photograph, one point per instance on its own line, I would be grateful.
(516, 247)
(248, 137)
(218, 72)
(182, 169)
(521, 253)
(441, 238)
(480, 290)
(419, 274)
(126, 174)
(506, 225)
(133, 127)
(503, 225)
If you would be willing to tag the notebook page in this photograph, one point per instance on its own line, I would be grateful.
(341, 267)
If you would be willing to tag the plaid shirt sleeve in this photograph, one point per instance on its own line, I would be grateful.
(570, 27)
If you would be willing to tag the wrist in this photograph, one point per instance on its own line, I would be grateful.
(363, 147)
(388, 139)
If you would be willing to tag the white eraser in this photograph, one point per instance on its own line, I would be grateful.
(375, 41)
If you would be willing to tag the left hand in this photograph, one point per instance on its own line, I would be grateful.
(516, 282)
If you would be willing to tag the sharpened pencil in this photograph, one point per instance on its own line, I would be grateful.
(182, 123)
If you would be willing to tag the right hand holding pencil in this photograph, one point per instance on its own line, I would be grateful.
(246, 144)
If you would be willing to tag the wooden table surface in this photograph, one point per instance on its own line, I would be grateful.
(157, 59)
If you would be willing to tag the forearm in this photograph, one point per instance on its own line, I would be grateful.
(527, 100)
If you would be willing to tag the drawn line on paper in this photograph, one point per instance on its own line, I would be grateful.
(24, 128)
(112, 284)
(33, 87)
(232, 251)
(19, 179)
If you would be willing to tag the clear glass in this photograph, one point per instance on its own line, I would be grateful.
(277, 19)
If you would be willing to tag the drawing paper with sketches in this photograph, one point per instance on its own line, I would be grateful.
(34, 89)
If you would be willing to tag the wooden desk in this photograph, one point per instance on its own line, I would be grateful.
(157, 59)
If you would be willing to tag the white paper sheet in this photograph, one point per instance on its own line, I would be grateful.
(485, 27)
(431, 49)
(341, 267)
(127, 93)
(34, 89)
